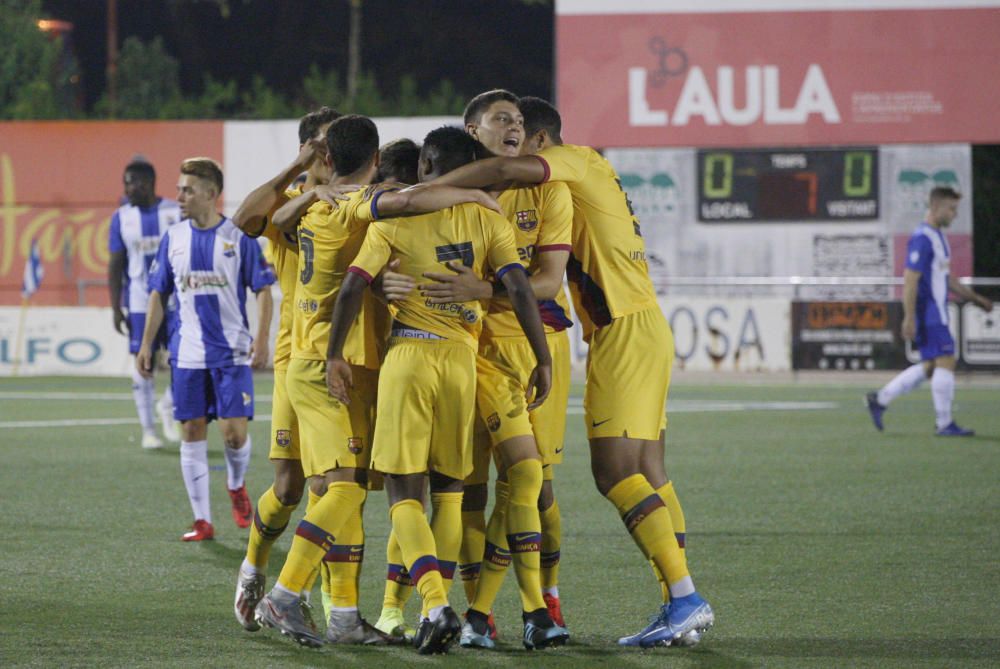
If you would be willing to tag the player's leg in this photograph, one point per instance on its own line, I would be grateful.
(905, 382)
(143, 389)
(274, 507)
(474, 499)
(233, 390)
(191, 387)
(327, 436)
(651, 464)
(628, 376)
(165, 408)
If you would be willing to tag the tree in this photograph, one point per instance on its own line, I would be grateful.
(29, 77)
(148, 81)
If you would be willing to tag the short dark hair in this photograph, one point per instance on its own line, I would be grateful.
(450, 148)
(538, 115)
(398, 161)
(141, 169)
(478, 105)
(203, 168)
(352, 141)
(310, 123)
(939, 193)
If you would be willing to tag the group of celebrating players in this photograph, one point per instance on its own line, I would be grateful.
(422, 336)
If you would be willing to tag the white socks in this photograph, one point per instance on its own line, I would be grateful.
(144, 393)
(194, 468)
(682, 588)
(943, 391)
(237, 461)
(906, 381)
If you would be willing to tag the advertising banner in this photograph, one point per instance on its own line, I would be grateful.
(739, 73)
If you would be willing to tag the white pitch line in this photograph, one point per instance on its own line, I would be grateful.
(115, 397)
(83, 422)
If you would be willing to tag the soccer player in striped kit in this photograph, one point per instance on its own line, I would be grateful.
(209, 264)
(135, 232)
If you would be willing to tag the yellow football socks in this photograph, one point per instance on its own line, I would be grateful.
(343, 562)
(496, 557)
(470, 556)
(419, 551)
(269, 521)
(524, 530)
(398, 585)
(551, 542)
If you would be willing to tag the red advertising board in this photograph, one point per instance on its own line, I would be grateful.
(640, 73)
(61, 181)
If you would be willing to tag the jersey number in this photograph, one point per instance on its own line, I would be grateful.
(631, 211)
(306, 254)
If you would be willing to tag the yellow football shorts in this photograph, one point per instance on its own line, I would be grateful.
(331, 435)
(628, 375)
(284, 423)
(426, 406)
(503, 368)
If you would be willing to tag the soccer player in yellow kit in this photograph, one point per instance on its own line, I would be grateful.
(426, 391)
(335, 438)
(275, 506)
(628, 364)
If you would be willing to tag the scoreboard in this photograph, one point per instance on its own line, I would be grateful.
(788, 184)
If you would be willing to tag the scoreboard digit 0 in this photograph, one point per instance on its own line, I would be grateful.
(806, 185)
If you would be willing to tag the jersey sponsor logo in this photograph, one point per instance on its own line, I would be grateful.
(196, 280)
(308, 305)
(526, 253)
(460, 251)
(526, 220)
(354, 445)
(283, 438)
(493, 422)
(466, 314)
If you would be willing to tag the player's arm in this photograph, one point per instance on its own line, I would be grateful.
(154, 318)
(525, 304)
(252, 214)
(414, 200)
(491, 171)
(339, 380)
(286, 218)
(116, 269)
(259, 350)
(911, 278)
(984, 303)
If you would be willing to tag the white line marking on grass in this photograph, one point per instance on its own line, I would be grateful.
(115, 397)
(575, 407)
(84, 422)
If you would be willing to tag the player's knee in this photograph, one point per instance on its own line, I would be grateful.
(288, 487)
(546, 497)
(441, 483)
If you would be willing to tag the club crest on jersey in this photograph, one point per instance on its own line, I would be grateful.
(354, 445)
(493, 422)
(228, 250)
(527, 220)
(283, 438)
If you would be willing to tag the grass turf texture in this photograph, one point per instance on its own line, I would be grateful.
(818, 541)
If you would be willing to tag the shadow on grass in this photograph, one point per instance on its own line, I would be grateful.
(947, 649)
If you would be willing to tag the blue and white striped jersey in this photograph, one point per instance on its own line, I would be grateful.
(928, 253)
(137, 231)
(210, 271)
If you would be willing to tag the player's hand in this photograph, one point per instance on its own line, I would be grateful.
(120, 321)
(489, 202)
(462, 285)
(909, 329)
(259, 354)
(339, 380)
(314, 149)
(539, 385)
(334, 194)
(396, 286)
(985, 303)
(144, 362)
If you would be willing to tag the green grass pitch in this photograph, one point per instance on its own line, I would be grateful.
(819, 542)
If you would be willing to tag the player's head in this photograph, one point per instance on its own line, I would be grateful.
(314, 126)
(352, 143)
(398, 160)
(446, 149)
(943, 206)
(198, 187)
(140, 183)
(494, 119)
(542, 124)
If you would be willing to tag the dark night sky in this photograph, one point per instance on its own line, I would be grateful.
(474, 43)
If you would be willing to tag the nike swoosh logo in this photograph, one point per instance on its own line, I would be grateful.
(524, 536)
(560, 449)
(596, 423)
(357, 549)
(199, 477)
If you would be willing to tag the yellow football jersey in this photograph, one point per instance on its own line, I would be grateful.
(479, 238)
(542, 220)
(607, 270)
(328, 241)
(282, 252)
